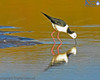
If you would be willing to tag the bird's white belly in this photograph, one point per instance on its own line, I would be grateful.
(59, 28)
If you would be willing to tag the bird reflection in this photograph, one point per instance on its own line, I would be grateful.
(61, 58)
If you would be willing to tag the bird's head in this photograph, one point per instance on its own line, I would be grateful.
(73, 34)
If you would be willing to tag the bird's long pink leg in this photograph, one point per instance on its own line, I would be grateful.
(60, 43)
(54, 43)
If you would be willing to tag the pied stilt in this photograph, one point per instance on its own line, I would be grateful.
(60, 26)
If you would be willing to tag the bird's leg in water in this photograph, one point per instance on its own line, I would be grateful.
(54, 43)
(60, 43)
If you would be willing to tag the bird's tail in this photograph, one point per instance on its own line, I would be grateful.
(46, 15)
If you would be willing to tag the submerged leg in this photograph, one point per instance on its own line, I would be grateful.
(60, 43)
(54, 43)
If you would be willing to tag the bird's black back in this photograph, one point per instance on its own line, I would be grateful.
(55, 20)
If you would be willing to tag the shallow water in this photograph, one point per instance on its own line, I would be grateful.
(22, 24)
(31, 61)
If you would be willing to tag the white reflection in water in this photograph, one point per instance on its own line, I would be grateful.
(61, 58)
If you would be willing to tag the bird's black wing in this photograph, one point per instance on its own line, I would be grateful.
(58, 22)
(55, 20)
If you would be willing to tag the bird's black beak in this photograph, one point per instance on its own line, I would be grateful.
(75, 42)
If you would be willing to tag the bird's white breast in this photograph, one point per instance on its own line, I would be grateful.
(60, 28)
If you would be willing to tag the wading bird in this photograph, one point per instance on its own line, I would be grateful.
(60, 26)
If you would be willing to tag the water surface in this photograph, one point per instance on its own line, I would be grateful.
(30, 61)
